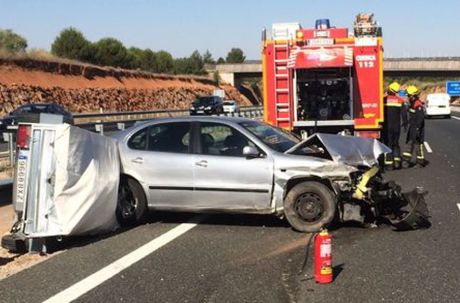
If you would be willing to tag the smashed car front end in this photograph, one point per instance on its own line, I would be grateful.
(349, 166)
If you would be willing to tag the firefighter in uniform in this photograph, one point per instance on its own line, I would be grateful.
(416, 133)
(393, 105)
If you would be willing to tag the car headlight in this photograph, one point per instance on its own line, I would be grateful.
(208, 108)
(192, 108)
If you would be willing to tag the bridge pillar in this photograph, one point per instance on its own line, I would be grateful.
(228, 77)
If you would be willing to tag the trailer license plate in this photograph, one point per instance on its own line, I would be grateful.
(200, 111)
(21, 182)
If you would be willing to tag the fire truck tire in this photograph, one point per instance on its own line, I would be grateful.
(309, 205)
(132, 203)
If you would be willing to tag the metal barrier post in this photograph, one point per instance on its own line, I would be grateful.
(11, 149)
(99, 128)
(8, 137)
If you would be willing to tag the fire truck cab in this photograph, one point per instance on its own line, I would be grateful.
(323, 78)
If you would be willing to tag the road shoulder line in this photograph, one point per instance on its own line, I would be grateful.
(428, 147)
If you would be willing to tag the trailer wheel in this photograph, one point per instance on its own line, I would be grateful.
(132, 203)
(308, 206)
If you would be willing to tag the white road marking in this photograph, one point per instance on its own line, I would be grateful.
(453, 117)
(428, 148)
(458, 205)
(75, 291)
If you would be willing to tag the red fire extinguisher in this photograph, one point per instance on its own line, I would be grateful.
(323, 257)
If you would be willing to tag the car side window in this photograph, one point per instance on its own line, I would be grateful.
(138, 140)
(169, 137)
(222, 140)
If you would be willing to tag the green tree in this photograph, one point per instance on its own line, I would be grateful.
(135, 57)
(111, 52)
(149, 60)
(191, 65)
(216, 77)
(197, 63)
(207, 58)
(220, 60)
(12, 42)
(72, 44)
(235, 55)
(182, 66)
(165, 62)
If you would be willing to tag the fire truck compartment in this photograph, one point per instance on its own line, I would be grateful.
(323, 97)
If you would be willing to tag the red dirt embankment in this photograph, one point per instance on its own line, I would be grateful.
(87, 88)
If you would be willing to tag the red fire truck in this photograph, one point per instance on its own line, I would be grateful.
(323, 78)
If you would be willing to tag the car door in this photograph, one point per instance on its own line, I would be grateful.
(223, 177)
(160, 156)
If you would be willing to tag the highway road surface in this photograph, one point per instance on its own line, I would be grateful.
(235, 258)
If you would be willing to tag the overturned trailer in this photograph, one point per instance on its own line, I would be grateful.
(66, 183)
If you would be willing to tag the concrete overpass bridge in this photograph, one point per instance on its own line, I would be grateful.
(417, 67)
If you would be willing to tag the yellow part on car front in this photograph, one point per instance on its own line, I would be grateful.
(361, 188)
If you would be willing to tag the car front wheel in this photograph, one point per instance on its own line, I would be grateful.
(132, 203)
(309, 206)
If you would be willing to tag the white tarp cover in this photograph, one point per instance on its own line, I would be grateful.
(86, 181)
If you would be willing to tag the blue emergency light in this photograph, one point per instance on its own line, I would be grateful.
(322, 24)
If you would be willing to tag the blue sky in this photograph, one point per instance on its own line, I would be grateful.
(410, 28)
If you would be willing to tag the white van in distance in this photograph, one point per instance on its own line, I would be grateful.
(437, 105)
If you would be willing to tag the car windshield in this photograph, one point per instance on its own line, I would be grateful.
(204, 101)
(32, 109)
(276, 138)
(229, 103)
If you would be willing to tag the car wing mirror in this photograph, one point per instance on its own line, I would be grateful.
(250, 152)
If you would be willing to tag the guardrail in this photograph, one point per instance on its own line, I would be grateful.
(135, 115)
(252, 112)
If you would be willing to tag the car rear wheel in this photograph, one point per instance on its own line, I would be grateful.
(132, 203)
(309, 206)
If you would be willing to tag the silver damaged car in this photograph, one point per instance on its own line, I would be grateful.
(217, 164)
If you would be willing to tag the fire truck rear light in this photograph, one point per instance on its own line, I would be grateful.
(23, 139)
(299, 35)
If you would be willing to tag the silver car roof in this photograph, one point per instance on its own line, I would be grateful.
(225, 119)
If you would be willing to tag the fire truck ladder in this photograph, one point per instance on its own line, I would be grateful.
(282, 92)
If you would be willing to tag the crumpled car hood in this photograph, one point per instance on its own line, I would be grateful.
(349, 150)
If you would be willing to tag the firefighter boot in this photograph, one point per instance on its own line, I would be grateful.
(421, 161)
(388, 160)
(397, 163)
(407, 156)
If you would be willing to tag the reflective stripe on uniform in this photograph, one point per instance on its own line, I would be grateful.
(412, 110)
(387, 161)
(393, 105)
(406, 154)
(422, 153)
(397, 159)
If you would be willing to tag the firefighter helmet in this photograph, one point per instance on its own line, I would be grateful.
(394, 87)
(412, 90)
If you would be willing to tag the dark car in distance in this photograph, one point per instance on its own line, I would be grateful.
(209, 105)
(26, 111)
